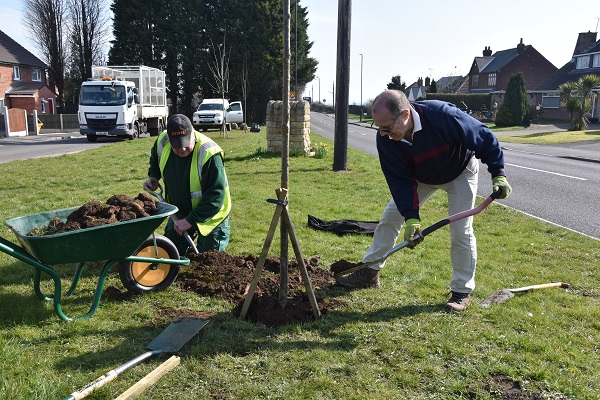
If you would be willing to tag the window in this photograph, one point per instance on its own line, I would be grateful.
(475, 81)
(596, 63)
(35, 75)
(492, 79)
(550, 100)
(583, 62)
(43, 101)
(17, 73)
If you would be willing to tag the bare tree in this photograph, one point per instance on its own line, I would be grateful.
(89, 31)
(219, 67)
(44, 20)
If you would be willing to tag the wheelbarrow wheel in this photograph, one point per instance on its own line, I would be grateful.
(139, 277)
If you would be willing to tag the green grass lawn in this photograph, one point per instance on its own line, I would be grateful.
(546, 138)
(396, 342)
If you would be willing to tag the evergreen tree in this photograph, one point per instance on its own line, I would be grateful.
(397, 84)
(177, 36)
(433, 87)
(515, 108)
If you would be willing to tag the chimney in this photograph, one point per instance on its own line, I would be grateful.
(584, 41)
(487, 51)
(427, 81)
(520, 47)
(420, 82)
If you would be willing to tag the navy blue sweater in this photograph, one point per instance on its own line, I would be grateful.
(439, 152)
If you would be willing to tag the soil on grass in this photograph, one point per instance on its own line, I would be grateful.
(228, 277)
(117, 208)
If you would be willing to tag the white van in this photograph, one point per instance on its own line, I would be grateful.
(211, 112)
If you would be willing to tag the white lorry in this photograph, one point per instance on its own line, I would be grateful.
(211, 112)
(123, 101)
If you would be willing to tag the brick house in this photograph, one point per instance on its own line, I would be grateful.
(585, 61)
(491, 72)
(23, 81)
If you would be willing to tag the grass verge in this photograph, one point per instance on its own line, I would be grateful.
(547, 138)
(396, 342)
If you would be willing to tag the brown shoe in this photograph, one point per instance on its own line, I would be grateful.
(458, 301)
(366, 277)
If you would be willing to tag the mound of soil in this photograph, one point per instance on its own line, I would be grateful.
(228, 277)
(94, 213)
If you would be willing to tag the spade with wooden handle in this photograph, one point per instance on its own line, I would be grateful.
(501, 296)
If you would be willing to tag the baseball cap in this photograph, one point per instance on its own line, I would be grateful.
(179, 129)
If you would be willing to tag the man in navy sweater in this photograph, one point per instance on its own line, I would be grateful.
(425, 146)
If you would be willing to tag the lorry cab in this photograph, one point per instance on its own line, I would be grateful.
(122, 101)
(107, 109)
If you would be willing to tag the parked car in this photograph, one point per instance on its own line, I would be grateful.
(212, 112)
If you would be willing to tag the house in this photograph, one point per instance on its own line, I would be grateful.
(450, 84)
(23, 82)
(417, 91)
(585, 61)
(491, 72)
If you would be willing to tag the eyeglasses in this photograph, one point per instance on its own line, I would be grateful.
(386, 129)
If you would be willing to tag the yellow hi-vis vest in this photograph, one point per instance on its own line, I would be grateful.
(204, 149)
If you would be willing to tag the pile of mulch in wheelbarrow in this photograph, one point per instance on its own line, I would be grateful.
(228, 277)
(117, 208)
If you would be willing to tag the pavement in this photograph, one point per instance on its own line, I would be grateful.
(583, 151)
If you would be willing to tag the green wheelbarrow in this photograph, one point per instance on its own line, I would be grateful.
(147, 261)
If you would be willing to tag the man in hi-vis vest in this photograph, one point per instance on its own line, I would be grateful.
(191, 167)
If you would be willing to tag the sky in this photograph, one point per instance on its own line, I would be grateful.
(415, 39)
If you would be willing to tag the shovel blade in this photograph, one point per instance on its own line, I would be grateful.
(176, 335)
(498, 297)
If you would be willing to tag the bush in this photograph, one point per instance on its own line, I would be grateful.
(504, 117)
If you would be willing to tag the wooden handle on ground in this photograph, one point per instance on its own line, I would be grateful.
(150, 379)
(542, 286)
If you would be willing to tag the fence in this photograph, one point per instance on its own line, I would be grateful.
(15, 122)
(59, 122)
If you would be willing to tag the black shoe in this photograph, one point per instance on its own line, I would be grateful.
(458, 302)
(366, 277)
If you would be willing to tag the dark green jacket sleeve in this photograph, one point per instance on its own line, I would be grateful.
(154, 169)
(214, 183)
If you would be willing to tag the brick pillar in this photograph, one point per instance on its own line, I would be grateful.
(299, 126)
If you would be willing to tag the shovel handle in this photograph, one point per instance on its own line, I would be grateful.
(425, 232)
(461, 215)
(541, 286)
(109, 376)
(160, 197)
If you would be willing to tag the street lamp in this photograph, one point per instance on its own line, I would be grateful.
(361, 73)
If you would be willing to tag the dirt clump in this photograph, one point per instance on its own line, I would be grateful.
(228, 277)
(94, 213)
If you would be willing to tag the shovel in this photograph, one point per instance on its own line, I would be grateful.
(171, 340)
(420, 236)
(160, 197)
(501, 296)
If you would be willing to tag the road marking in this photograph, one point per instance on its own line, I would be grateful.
(548, 172)
(547, 221)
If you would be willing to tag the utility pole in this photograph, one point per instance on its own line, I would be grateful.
(340, 143)
(361, 103)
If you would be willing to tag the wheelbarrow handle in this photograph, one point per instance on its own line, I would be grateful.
(160, 198)
(423, 233)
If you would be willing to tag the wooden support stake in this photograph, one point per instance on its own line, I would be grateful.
(300, 259)
(263, 255)
(281, 208)
(150, 379)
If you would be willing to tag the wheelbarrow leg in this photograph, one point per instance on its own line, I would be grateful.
(58, 289)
